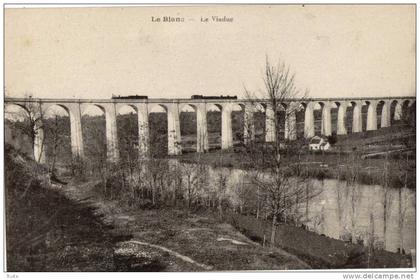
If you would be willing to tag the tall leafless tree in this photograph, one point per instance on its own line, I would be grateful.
(55, 141)
(275, 184)
(31, 124)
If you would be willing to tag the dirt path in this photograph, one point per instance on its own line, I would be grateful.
(174, 240)
(178, 255)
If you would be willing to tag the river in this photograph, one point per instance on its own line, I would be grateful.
(341, 210)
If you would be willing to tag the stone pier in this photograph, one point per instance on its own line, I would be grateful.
(386, 114)
(326, 119)
(111, 131)
(75, 107)
(290, 129)
(270, 128)
(357, 117)
(309, 120)
(202, 135)
(341, 116)
(249, 126)
(174, 130)
(143, 126)
(371, 123)
(227, 140)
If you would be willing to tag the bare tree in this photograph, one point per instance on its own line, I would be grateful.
(222, 179)
(275, 184)
(223, 175)
(353, 192)
(248, 199)
(403, 199)
(55, 140)
(279, 89)
(371, 238)
(31, 124)
(386, 200)
(190, 174)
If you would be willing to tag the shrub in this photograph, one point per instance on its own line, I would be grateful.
(332, 139)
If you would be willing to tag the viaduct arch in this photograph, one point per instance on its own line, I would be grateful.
(392, 107)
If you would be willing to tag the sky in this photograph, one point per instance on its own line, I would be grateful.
(334, 50)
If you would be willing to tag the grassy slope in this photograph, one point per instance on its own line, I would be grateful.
(317, 250)
(45, 230)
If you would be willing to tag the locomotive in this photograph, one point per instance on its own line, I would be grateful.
(129, 97)
(196, 96)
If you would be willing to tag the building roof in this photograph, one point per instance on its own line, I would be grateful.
(315, 140)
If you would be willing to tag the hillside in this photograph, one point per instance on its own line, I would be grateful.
(40, 224)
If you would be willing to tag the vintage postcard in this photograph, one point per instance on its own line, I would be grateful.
(195, 138)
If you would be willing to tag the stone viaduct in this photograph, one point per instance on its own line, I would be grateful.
(173, 107)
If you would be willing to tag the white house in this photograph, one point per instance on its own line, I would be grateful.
(319, 144)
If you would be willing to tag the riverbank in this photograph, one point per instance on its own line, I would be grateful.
(383, 156)
(320, 165)
(319, 251)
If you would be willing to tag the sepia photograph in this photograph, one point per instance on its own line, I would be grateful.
(210, 138)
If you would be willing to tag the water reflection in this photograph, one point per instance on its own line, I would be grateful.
(343, 211)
